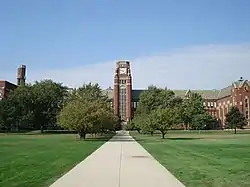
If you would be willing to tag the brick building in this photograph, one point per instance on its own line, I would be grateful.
(217, 102)
(6, 86)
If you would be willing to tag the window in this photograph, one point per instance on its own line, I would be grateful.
(122, 101)
(246, 103)
(134, 104)
(215, 104)
(247, 115)
(212, 104)
(204, 103)
(122, 81)
(208, 104)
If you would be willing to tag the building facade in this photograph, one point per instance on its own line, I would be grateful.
(6, 86)
(216, 102)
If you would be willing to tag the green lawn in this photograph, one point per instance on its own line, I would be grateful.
(38, 160)
(208, 159)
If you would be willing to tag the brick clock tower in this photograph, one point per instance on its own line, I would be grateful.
(123, 91)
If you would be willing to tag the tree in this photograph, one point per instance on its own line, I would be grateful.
(33, 106)
(48, 99)
(148, 125)
(7, 114)
(90, 92)
(144, 123)
(154, 98)
(165, 119)
(200, 121)
(85, 117)
(137, 123)
(235, 119)
(17, 109)
(23, 100)
(88, 111)
(190, 107)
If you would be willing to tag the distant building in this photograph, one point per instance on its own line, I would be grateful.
(216, 102)
(6, 86)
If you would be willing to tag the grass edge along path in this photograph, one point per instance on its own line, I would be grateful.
(39, 160)
(205, 160)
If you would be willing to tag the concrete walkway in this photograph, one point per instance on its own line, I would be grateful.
(121, 162)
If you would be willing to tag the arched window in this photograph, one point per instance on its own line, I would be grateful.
(246, 102)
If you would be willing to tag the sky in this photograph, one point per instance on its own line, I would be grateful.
(195, 44)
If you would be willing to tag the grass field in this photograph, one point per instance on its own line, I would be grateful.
(208, 159)
(38, 160)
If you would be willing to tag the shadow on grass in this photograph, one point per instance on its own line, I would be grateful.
(184, 138)
(117, 138)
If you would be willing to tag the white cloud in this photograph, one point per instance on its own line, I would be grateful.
(194, 67)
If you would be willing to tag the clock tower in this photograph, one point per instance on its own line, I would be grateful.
(123, 90)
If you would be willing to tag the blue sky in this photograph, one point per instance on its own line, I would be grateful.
(79, 40)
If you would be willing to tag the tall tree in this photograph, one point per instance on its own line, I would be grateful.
(200, 121)
(90, 92)
(23, 99)
(48, 99)
(190, 107)
(148, 125)
(155, 98)
(87, 116)
(7, 114)
(17, 109)
(165, 119)
(235, 119)
(88, 111)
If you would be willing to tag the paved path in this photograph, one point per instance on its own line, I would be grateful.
(121, 162)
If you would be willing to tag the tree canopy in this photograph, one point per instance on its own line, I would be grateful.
(160, 109)
(88, 111)
(155, 98)
(31, 107)
(235, 119)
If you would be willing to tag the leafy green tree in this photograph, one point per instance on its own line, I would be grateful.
(88, 111)
(7, 115)
(130, 125)
(137, 123)
(48, 99)
(235, 119)
(17, 109)
(200, 121)
(23, 100)
(155, 98)
(85, 117)
(165, 119)
(77, 115)
(90, 92)
(190, 107)
(146, 124)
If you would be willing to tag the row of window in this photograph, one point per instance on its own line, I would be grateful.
(246, 103)
(122, 101)
(122, 81)
(134, 104)
(209, 104)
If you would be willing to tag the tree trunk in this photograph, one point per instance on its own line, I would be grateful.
(186, 126)
(163, 135)
(41, 129)
(82, 135)
(152, 133)
(235, 130)
(139, 131)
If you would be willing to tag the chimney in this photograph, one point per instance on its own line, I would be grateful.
(21, 75)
